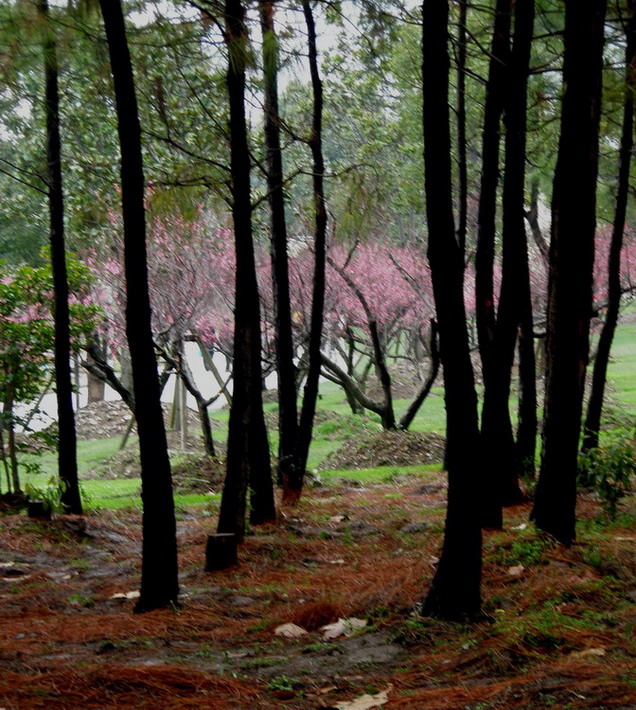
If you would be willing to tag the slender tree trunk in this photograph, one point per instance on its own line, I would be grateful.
(532, 215)
(462, 167)
(248, 461)
(285, 368)
(487, 211)
(3, 456)
(455, 589)
(159, 570)
(595, 403)
(571, 265)
(293, 492)
(209, 365)
(526, 441)
(496, 431)
(516, 291)
(408, 416)
(7, 414)
(67, 440)
(496, 427)
(96, 386)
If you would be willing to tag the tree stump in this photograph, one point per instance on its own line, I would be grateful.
(221, 552)
(39, 509)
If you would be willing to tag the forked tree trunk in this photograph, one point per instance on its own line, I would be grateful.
(248, 461)
(595, 403)
(159, 570)
(67, 439)
(455, 589)
(496, 431)
(571, 265)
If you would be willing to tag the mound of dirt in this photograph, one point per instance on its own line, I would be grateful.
(106, 420)
(192, 473)
(387, 448)
(198, 474)
(331, 425)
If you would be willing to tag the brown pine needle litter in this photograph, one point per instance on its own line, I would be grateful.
(559, 625)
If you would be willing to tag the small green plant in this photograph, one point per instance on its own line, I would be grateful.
(51, 494)
(79, 599)
(608, 470)
(527, 550)
(322, 647)
(282, 682)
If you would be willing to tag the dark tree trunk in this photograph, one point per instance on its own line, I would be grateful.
(67, 440)
(285, 368)
(248, 461)
(595, 403)
(462, 161)
(310, 394)
(527, 413)
(571, 266)
(159, 571)
(487, 211)
(496, 430)
(455, 589)
(496, 427)
(526, 441)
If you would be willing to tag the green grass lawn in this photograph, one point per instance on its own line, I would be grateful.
(329, 435)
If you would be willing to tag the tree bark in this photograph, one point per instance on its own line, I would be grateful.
(571, 266)
(495, 419)
(292, 493)
(462, 160)
(248, 461)
(455, 589)
(595, 404)
(497, 433)
(159, 571)
(285, 368)
(487, 211)
(67, 440)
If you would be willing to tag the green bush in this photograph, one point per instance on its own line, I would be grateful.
(608, 470)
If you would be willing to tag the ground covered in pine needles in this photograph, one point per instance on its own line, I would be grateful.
(559, 628)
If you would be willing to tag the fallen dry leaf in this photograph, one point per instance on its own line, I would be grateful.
(366, 702)
(289, 631)
(126, 595)
(342, 627)
(590, 652)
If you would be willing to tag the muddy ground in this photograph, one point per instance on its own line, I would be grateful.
(558, 629)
